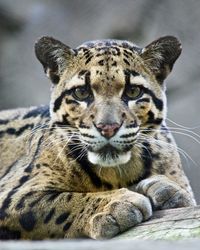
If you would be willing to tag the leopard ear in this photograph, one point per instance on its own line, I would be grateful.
(54, 56)
(161, 54)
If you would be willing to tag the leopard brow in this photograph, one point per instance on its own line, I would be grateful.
(87, 81)
(128, 73)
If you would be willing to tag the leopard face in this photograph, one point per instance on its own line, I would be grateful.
(107, 94)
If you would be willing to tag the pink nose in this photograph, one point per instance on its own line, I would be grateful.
(108, 130)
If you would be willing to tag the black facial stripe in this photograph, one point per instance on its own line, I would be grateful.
(84, 126)
(86, 166)
(125, 142)
(131, 72)
(64, 122)
(128, 74)
(127, 77)
(88, 136)
(128, 135)
(158, 102)
(87, 78)
(143, 100)
(59, 100)
(152, 119)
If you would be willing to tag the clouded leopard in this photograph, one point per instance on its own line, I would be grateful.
(100, 158)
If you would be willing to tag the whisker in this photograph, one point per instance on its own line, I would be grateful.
(181, 126)
(172, 146)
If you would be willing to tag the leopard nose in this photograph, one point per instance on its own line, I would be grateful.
(108, 130)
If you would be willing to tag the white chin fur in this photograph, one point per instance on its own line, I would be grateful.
(96, 159)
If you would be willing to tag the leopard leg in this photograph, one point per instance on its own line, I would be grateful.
(164, 193)
(40, 215)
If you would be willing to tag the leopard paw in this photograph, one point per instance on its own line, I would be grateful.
(119, 215)
(164, 193)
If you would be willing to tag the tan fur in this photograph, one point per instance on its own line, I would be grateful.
(50, 186)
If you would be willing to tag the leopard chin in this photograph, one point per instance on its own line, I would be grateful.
(109, 158)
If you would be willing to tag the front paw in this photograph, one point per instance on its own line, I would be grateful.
(121, 213)
(164, 193)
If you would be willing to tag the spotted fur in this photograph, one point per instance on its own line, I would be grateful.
(100, 157)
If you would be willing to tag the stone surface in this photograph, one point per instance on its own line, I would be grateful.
(105, 245)
(173, 224)
(76, 21)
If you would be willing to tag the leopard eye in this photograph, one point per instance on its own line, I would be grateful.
(133, 92)
(81, 93)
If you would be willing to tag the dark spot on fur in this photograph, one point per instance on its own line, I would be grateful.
(126, 61)
(88, 198)
(88, 59)
(53, 195)
(20, 203)
(13, 131)
(67, 226)
(62, 218)
(49, 216)
(38, 166)
(27, 221)
(45, 164)
(101, 62)
(72, 109)
(35, 202)
(114, 64)
(24, 179)
(82, 210)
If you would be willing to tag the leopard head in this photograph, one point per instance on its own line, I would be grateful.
(108, 92)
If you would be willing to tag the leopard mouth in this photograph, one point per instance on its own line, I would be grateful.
(109, 156)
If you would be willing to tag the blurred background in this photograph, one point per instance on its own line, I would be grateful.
(22, 82)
